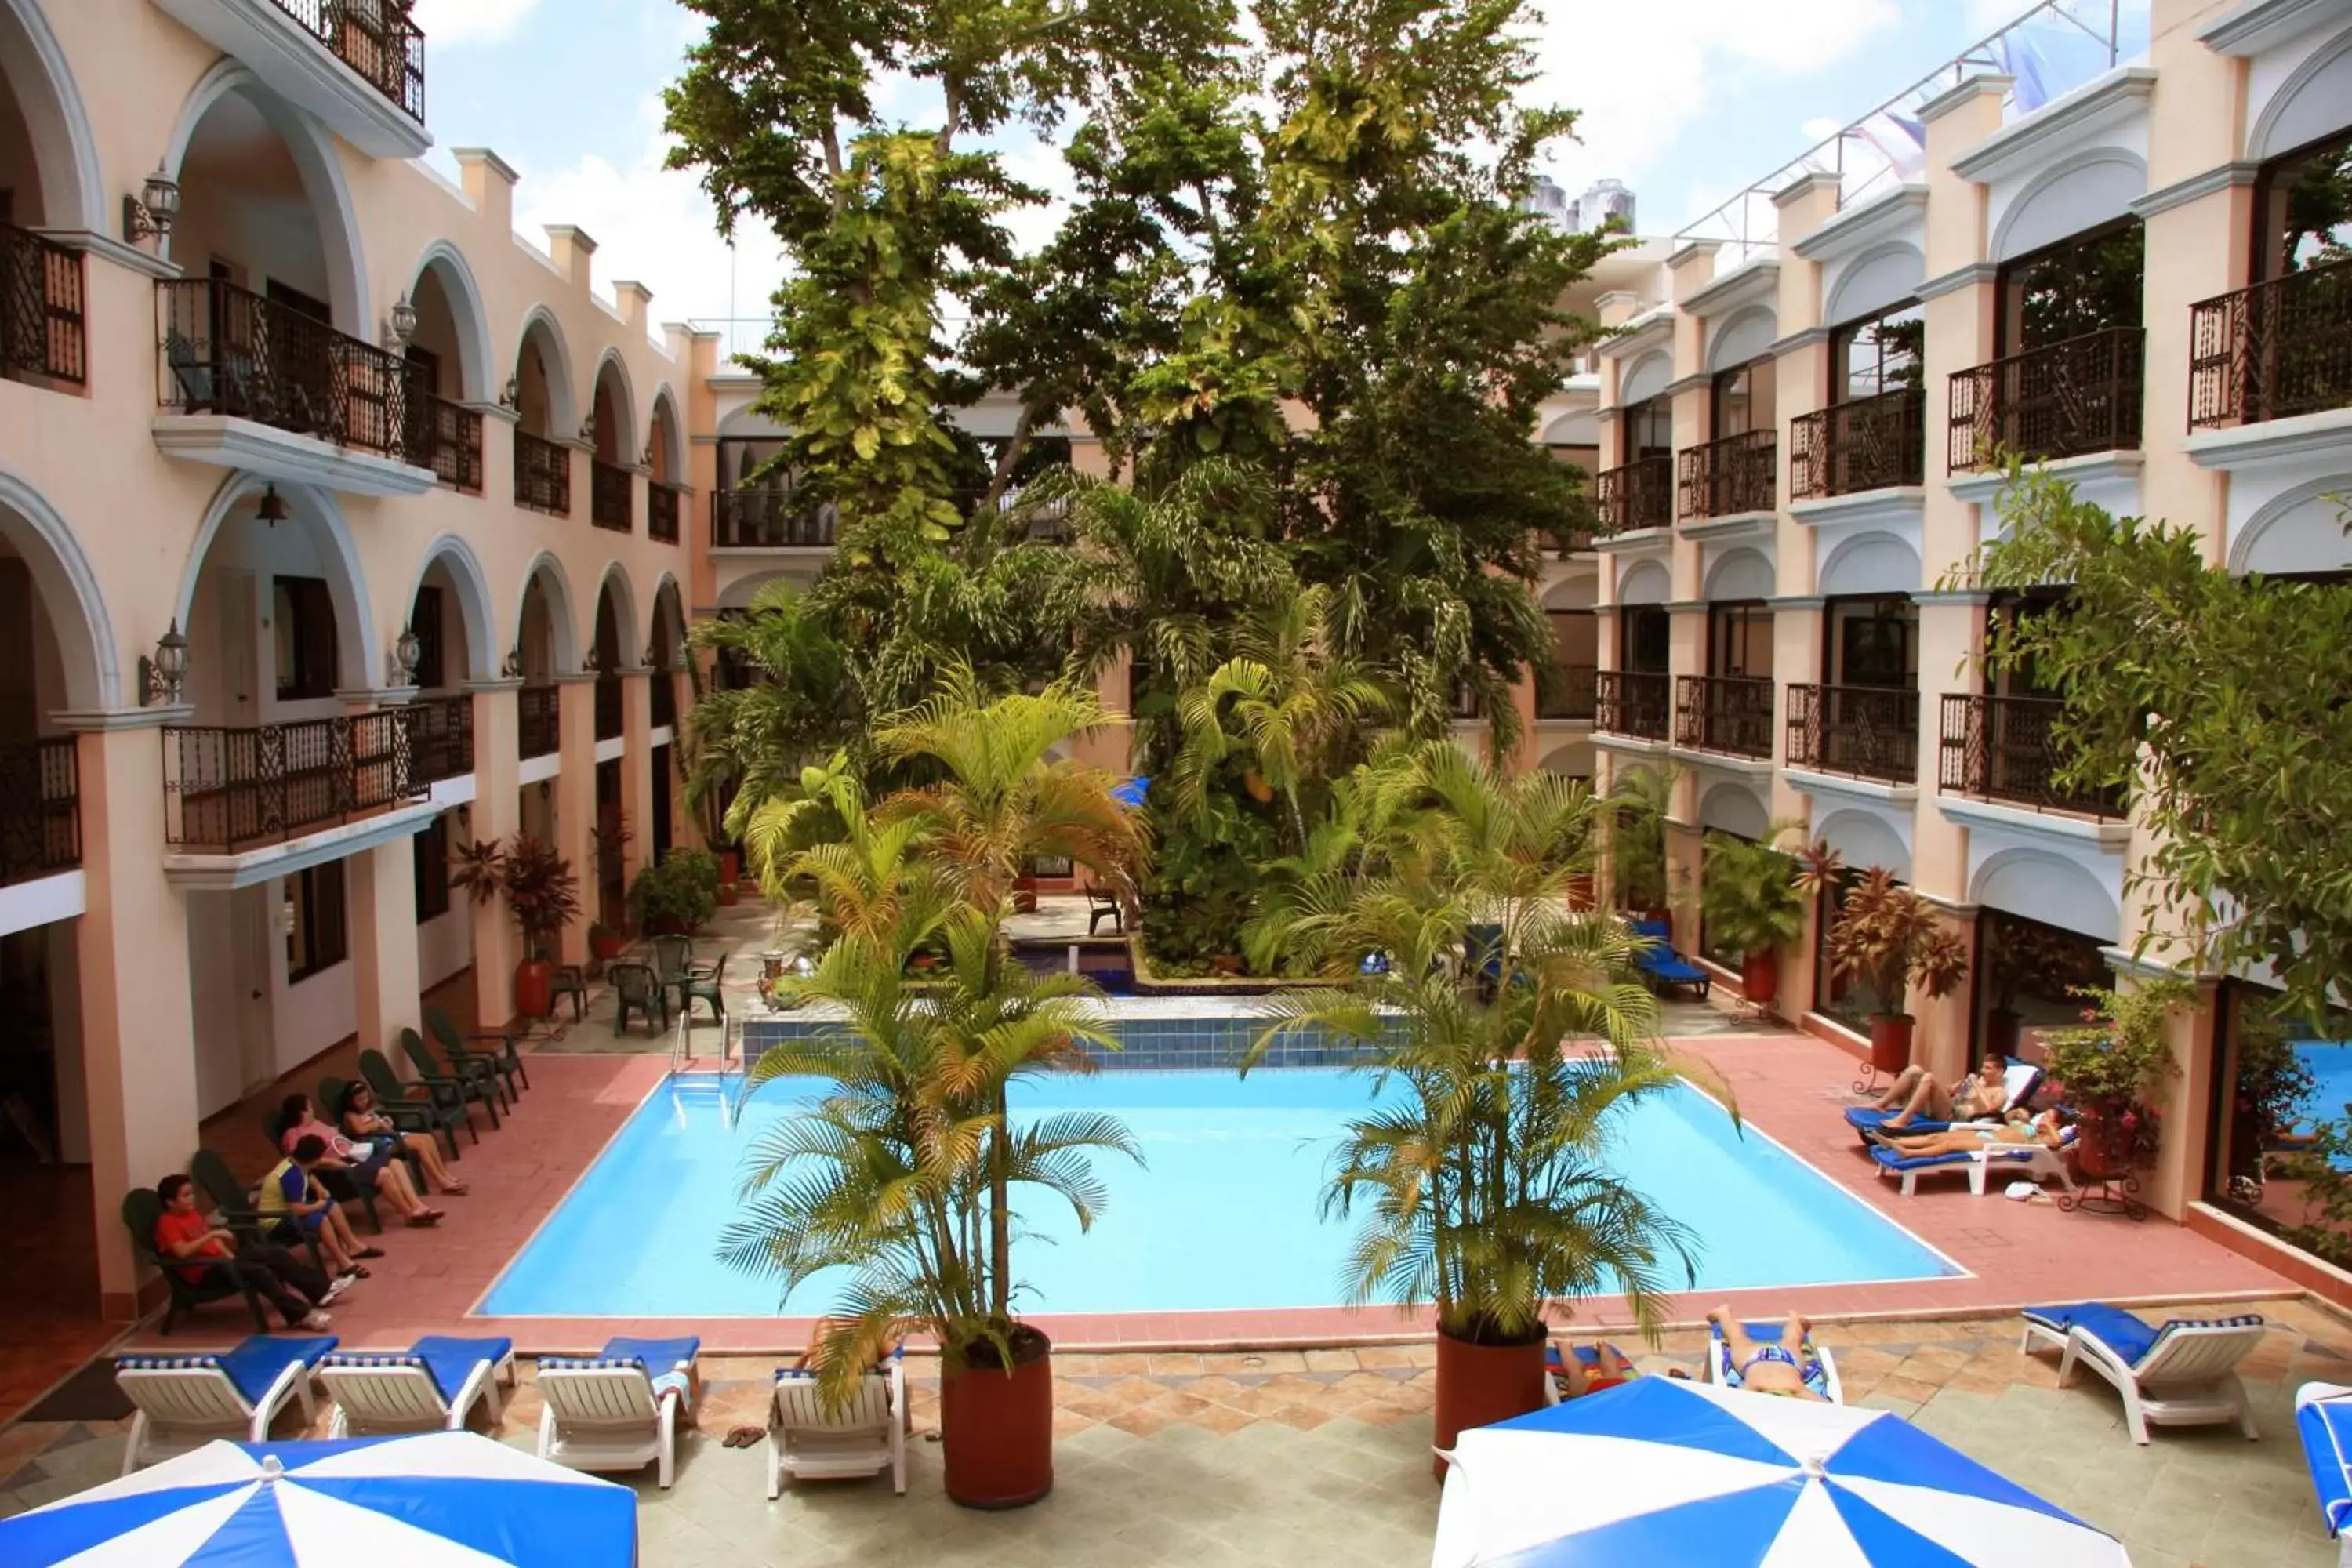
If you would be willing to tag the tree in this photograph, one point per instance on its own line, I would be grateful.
(2217, 700)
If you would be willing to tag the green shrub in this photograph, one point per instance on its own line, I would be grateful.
(678, 894)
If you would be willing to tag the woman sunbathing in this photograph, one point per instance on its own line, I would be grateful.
(1608, 1368)
(1920, 1096)
(1765, 1367)
(2048, 1130)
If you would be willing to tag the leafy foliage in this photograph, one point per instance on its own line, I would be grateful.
(540, 891)
(2119, 1055)
(1751, 892)
(1894, 940)
(677, 893)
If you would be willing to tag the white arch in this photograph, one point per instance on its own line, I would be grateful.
(323, 187)
(1874, 563)
(1644, 378)
(614, 581)
(2074, 195)
(670, 598)
(65, 148)
(1574, 760)
(2308, 105)
(1862, 840)
(668, 434)
(64, 579)
(2299, 530)
(1735, 808)
(1571, 594)
(2050, 888)
(1646, 584)
(473, 585)
(562, 619)
(563, 393)
(1742, 573)
(1874, 280)
(625, 402)
(1746, 336)
(470, 316)
(355, 633)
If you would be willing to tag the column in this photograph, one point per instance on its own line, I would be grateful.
(575, 802)
(383, 900)
(637, 769)
(1939, 1029)
(138, 1030)
(496, 813)
(1690, 269)
(1951, 652)
(1796, 661)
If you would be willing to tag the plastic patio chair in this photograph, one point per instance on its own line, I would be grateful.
(704, 985)
(506, 1058)
(221, 1279)
(635, 985)
(235, 1208)
(674, 965)
(569, 980)
(432, 1111)
(470, 1089)
(330, 1101)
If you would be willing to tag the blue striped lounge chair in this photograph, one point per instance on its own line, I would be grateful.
(2030, 1162)
(1556, 1369)
(619, 1409)
(431, 1385)
(183, 1402)
(866, 1436)
(1661, 966)
(2181, 1373)
(2323, 1418)
(1814, 1362)
(2021, 1079)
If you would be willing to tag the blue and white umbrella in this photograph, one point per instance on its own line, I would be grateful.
(439, 1500)
(1667, 1474)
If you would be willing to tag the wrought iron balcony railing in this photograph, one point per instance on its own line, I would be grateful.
(768, 520)
(1867, 443)
(441, 739)
(43, 331)
(1640, 494)
(611, 502)
(446, 437)
(1572, 699)
(1866, 731)
(662, 505)
(375, 38)
(608, 707)
(2275, 350)
(228, 351)
(1631, 702)
(539, 721)
(2007, 749)
(1726, 477)
(226, 790)
(2066, 400)
(543, 474)
(40, 809)
(1731, 713)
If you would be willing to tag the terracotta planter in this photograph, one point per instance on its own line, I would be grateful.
(1225, 963)
(998, 1431)
(534, 988)
(730, 867)
(1760, 976)
(1025, 894)
(1890, 1042)
(607, 945)
(1479, 1386)
(727, 890)
(2102, 1147)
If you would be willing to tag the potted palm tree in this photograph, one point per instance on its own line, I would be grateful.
(1638, 841)
(924, 1066)
(1896, 941)
(1485, 1190)
(1754, 902)
(541, 893)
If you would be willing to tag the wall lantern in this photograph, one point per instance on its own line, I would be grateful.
(151, 212)
(512, 396)
(406, 650)
(400, 325)
(163, 677)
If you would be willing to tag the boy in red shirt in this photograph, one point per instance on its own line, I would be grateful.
(292, 1286)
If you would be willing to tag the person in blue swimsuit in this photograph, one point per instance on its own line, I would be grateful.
(1765, 1367)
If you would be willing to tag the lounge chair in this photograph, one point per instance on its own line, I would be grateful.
(185, 1401)
(1814, 1362)
(2030, 1162)
(473, 1081)
(1661, 966)
(218, 1278)
(1102, 905)
(636, 988)
(495, 1048)
(433, 1385)
(619, 1409)
(2183, 1373)
(1556, 1369)
(2022, 1080)
(432, 1108)
(865, 1438)
(2323, 1416)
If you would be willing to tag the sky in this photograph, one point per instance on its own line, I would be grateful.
(1685, 102)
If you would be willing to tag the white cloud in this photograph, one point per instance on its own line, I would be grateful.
(445, 22)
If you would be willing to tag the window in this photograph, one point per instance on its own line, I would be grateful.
(2088, 284)
(1649, 429)
(2304, 209)
(1645, 632)
(1874, 642)
(1741, 400)
(295, 299)
(2019, 677)
(306, 639)
(425, 367)
(424, 620)
(1739, 639)
(1877, 355)
(321, 938)
(432, 852)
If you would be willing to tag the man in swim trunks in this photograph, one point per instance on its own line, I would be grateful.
(1764, 1367)
(1920, 1096)
(2048, 1129)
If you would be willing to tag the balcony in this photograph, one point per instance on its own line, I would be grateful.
(40, 809)
(1726, 713)
(610, 503)
(2274, 350)
(1631, 702)
(247, 383)
(542, 477)
(441, 739)
(608, 707)
(446, 437)
(1728, 478)
(358, 65)
(662, 505)
(1638, 495)
(539, 721)
(1863, 731)
(768, 520)
(2005, 748)
(2067, 400)
(227, 791)
(1868, 444)
(1572, 699)
(42, 333)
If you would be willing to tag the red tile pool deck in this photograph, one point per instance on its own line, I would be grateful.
(1789, 1087)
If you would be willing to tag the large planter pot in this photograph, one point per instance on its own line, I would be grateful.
(1480, 1384)
(2102, 1146)
(998, 1431)
(607, 945)
(731, 866)
(1890, 1042)
(534, 988)
(1025, 894)
(1760, 976)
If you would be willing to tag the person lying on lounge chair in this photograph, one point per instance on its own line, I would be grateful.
(1766, 1368)
(1607, 1369)
(2049, 1129)
(351, 1164)
(1921, 1098)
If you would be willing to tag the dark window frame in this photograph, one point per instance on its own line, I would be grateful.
(322, 937)
(1725, 616)
(310, 673)
(1846, 334)
(2269, 260)
(1837, 666)
(1633, 621)
(430, 864)
(2015, 283)
(425, 619)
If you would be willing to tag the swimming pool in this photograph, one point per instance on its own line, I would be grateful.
(1226, 1215)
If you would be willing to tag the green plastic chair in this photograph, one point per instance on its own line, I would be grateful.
(636, 987)
(505, 1058)
(569, 979)
(438, 1113)
(221, 1279)
(472, 1083)
(331, 1092)
(704, 985)
(238, 1213)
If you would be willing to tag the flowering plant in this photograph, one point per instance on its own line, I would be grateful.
(2109, 1065)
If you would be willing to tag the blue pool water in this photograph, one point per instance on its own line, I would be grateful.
(1225, 1216)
